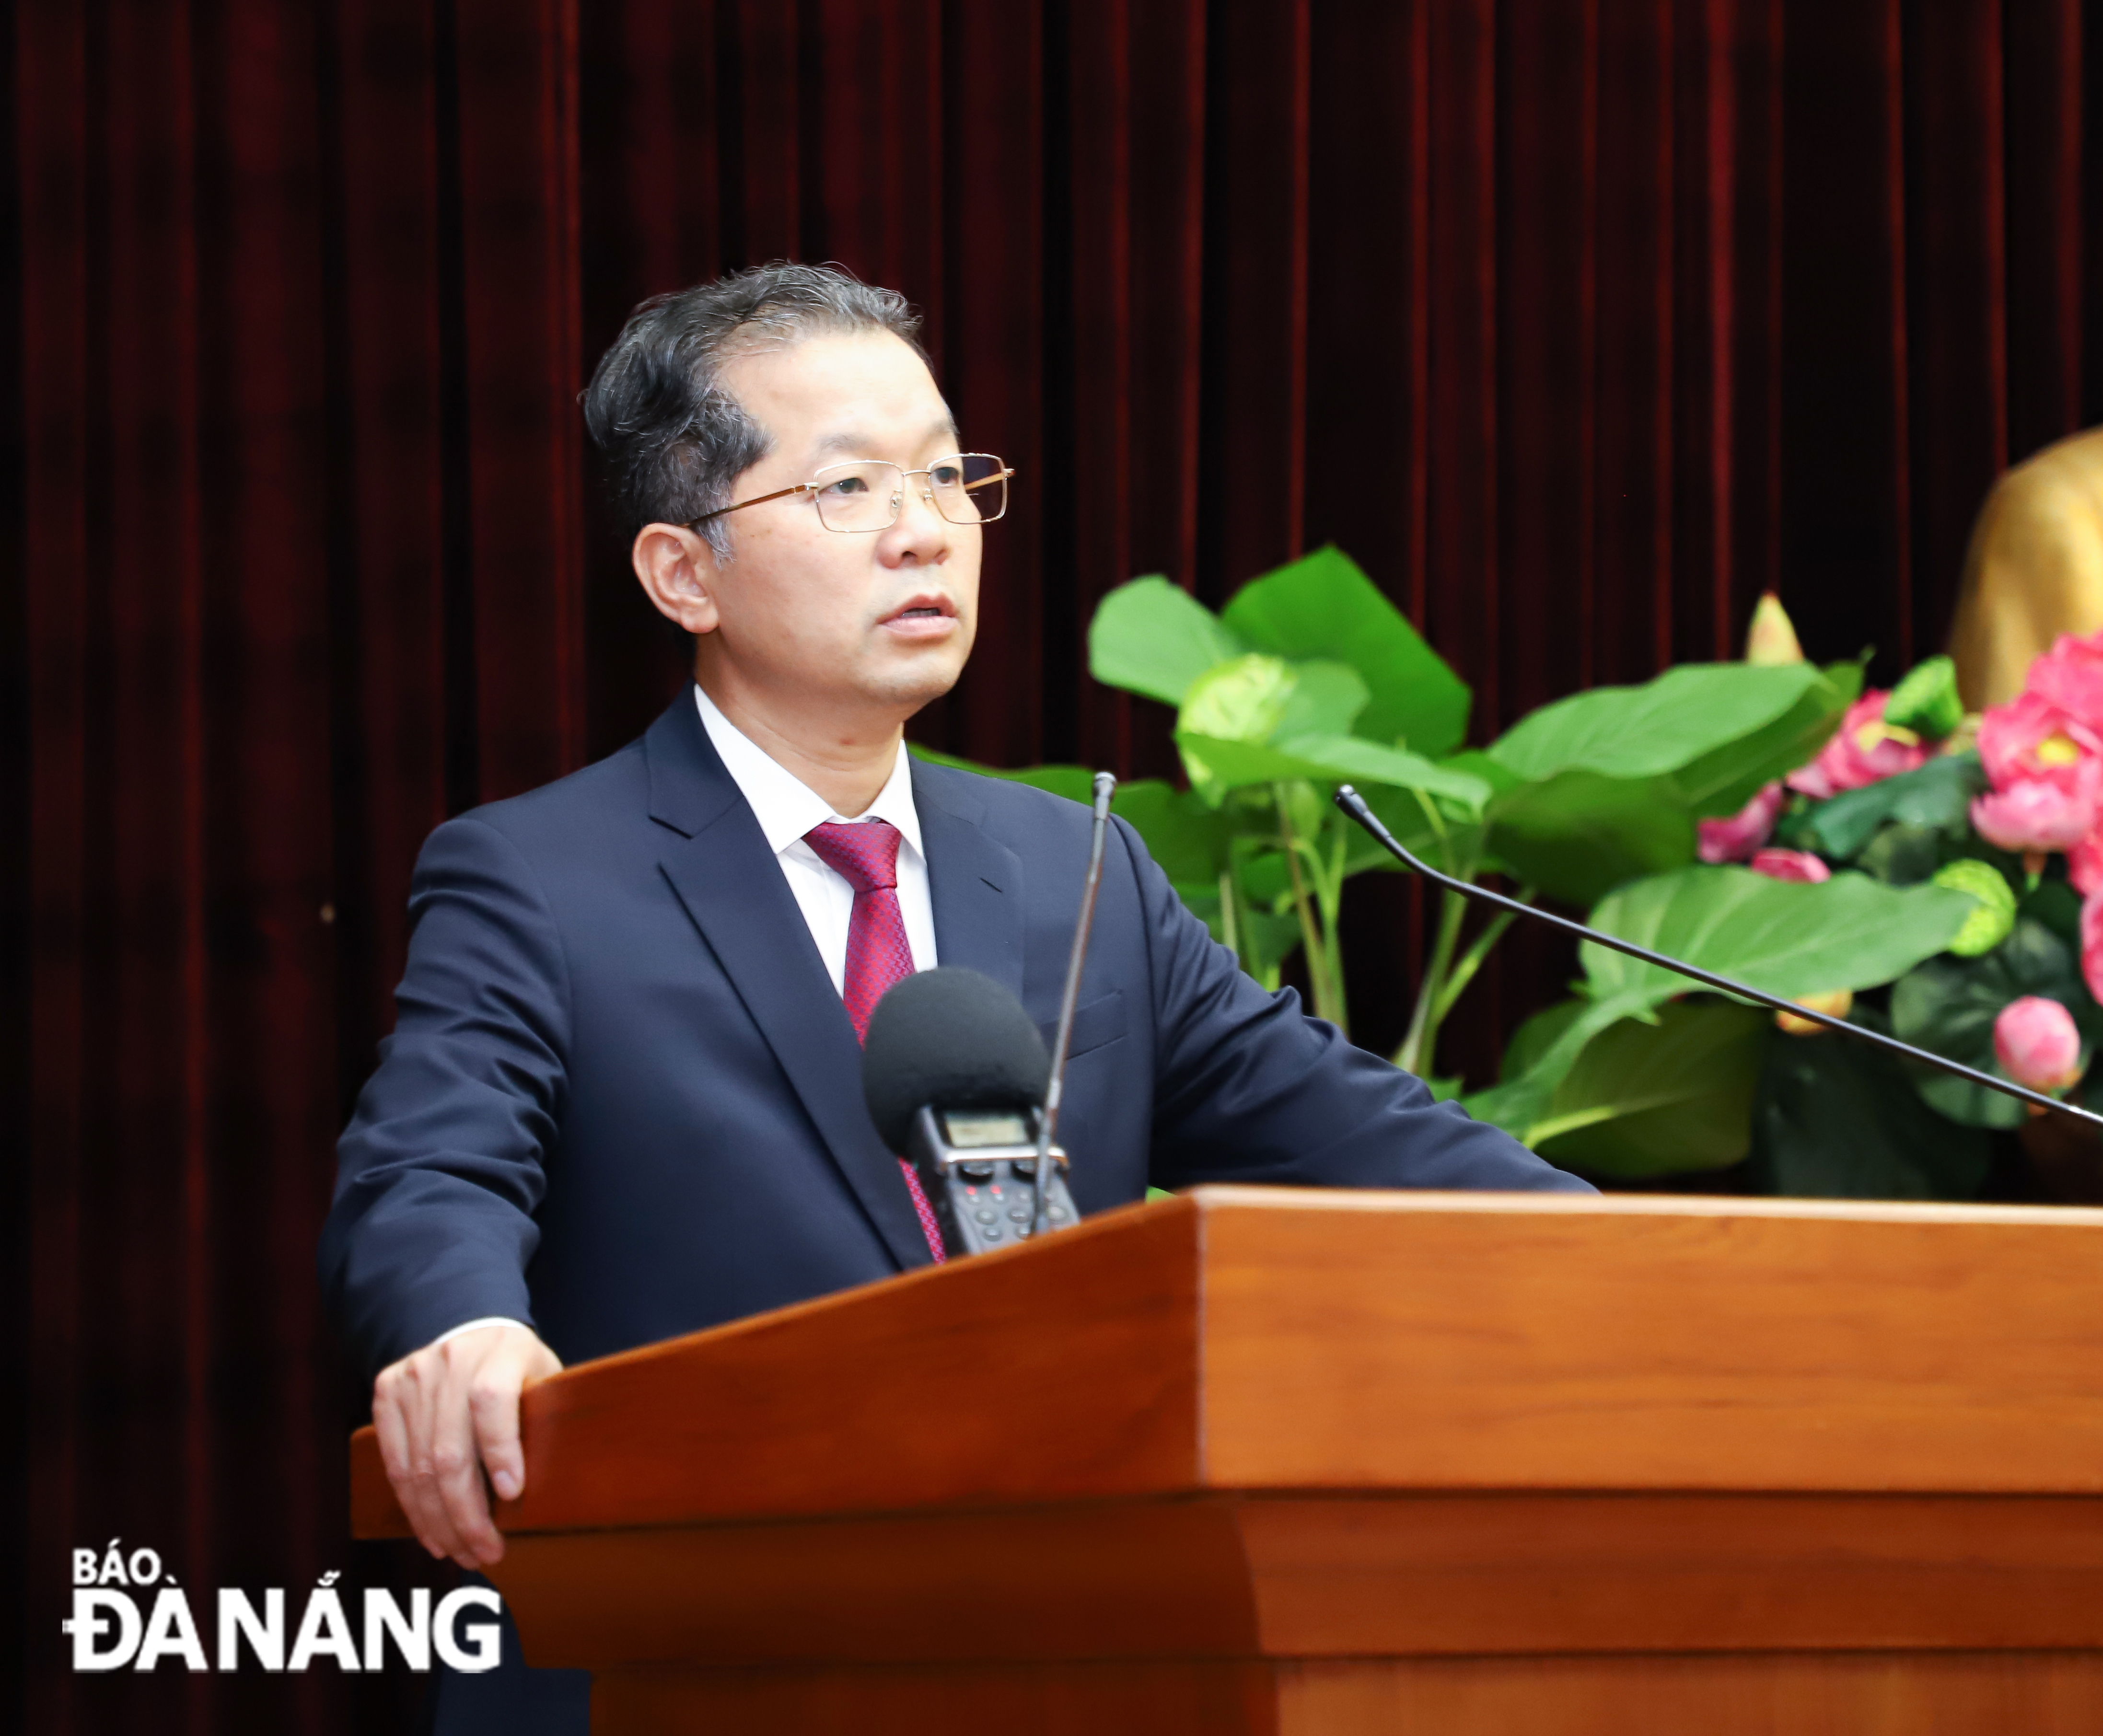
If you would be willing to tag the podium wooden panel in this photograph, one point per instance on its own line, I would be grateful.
(1270, 1462)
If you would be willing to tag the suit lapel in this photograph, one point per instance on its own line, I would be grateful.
(716, 860)
(976, 883)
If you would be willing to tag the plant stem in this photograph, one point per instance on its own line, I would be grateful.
(1329, 893)
(1471, 961)
(1438, 829)
(1415, 1054)
(1230, 916)
(1310, 929)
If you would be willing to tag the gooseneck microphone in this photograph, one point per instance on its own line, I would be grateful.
(954, 1074)
(1355, 804)
(1099, 834)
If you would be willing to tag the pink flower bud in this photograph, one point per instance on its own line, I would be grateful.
(2036, 1044)
(1734, 839)
(1798, 865)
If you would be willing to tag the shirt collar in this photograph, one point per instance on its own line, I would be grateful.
(784, 805)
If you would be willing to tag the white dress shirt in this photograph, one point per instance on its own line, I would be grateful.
(786, 808)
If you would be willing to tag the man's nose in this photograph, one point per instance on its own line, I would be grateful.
(921, 534)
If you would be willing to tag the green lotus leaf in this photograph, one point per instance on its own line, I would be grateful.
(1576, 835)
(1724, 779)
(1790, 940)
(1325, 700)
(1517, 1103)
(1537, 1036)
(1322, 605)
(1718, 730)
(1217, 765)
(1659, 1099)
(1153, 637)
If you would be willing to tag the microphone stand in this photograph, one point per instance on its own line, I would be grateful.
(1355, 804)
(1047, 1124)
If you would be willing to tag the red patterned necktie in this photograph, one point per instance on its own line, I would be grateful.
(866, 855)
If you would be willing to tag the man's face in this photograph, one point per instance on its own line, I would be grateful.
(821, 620)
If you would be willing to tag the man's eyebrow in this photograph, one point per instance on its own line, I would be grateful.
(853, 445)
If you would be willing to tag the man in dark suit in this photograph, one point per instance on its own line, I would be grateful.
(622, 1100)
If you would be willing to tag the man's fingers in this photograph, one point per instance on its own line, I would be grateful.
(388, 1424)
(492, 1399)
(443, 1415)
(457, 1476)
(401, 1417)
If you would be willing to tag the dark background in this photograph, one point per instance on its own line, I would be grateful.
(1578, 322)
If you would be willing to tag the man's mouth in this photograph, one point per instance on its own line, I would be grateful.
(921, 609)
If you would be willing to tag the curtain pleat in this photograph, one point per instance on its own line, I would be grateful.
(1579, 322)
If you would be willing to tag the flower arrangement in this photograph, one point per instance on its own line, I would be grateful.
(2006, 807)
(1878, 855)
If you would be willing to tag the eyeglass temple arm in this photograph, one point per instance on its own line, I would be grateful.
(779, 493)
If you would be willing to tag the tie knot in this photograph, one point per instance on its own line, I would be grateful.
(864, 853)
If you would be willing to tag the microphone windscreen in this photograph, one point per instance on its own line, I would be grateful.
(953, 1038)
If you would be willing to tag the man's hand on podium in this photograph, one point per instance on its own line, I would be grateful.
(446, 1414)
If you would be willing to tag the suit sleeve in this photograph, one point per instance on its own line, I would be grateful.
(1249, 1088)
(443, 1165)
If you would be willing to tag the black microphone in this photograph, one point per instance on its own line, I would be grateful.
(1098, 835)
(954, 1074)
(1355, 804)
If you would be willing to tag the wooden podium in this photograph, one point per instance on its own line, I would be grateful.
(1260, 1461)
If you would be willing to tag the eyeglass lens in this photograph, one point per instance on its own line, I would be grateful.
(968, 488)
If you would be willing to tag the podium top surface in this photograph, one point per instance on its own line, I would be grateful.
(1267, 1340)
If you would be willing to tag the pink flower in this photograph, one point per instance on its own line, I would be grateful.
(2036, 814)
(2070, 677)
(2091, 945)
(1734, 839)
(1865, 749)
(2036, 1044)
(1798, 865)
(2084, 865)
(2032, 740)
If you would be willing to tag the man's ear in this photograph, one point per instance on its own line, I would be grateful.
(677, 571)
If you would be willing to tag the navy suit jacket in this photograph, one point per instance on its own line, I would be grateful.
(623, 1100)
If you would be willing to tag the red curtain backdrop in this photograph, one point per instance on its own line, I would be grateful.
(1579, 322)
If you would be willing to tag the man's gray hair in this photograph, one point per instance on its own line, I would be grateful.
(673, 439)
